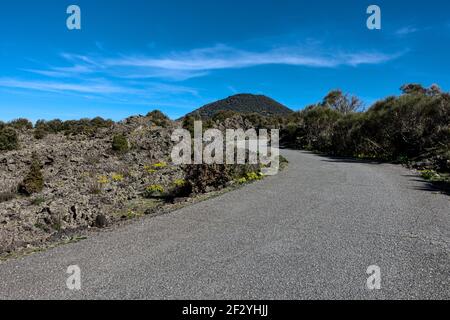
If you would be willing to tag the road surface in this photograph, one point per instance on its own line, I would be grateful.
(310, 232)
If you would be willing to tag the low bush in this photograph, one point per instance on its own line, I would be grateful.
(117, 177)
(415, 125)
(21, 124)
(8, 139)
(154, 191)
(74, 127)
(34, 181)
(40, 134)
(159, 118)
(180, 189)
(120, 143)
(202, 177)
(207, 177)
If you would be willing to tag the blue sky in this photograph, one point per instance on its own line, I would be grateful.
(138, 55)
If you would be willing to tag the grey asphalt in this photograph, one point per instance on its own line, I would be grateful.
(308, 233)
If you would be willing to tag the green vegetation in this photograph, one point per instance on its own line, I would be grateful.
(206, 177)
(21, 124)
(117, 177)
(415, 125)
(160, 165)
(73, 127)
(158, 118)
(154, 190)
(180, 189)
(429, 175)
(179, 183)
(34, 181)
(188, 123)
(8, 139)
(37, 201)
(40, 134)
(120, 144)
(102, 180)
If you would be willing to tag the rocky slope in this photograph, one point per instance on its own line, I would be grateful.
(86, 183)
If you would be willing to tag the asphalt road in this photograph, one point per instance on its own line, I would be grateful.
(310, 232)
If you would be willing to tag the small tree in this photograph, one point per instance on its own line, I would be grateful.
(120, 143)
(341, 102)
(8, 139)
(34, 181)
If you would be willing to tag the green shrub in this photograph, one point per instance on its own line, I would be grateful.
(52, 126)
(120, 143)
(201, 177)
(180, 189)
(413, 126)
(189, 122)
(40, 134)
(74, 127)
(242, 180)
(204, 177)
(429, 174)
(160, 165)
(159, 118)
(117, 177)
(21, 124)
(8, 139)
(154, 190)
(223, 115)
(34, 181)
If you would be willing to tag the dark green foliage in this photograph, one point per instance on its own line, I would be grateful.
(188, 123)
(159, 118)
(204, 177)
(259, 121)
(223, 115)
(73, 127)
(120, 143)
(40, 133)
(316, 132)
(8, 139)
(415, 125)
(52, 126)
(34, 181)
(85, 126)
(21, 124)
(180, 190)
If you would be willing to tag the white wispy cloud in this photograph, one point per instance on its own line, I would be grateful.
(179, 66)
(406, 31)
(52, 86)
(199, 62)
(126, 78)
